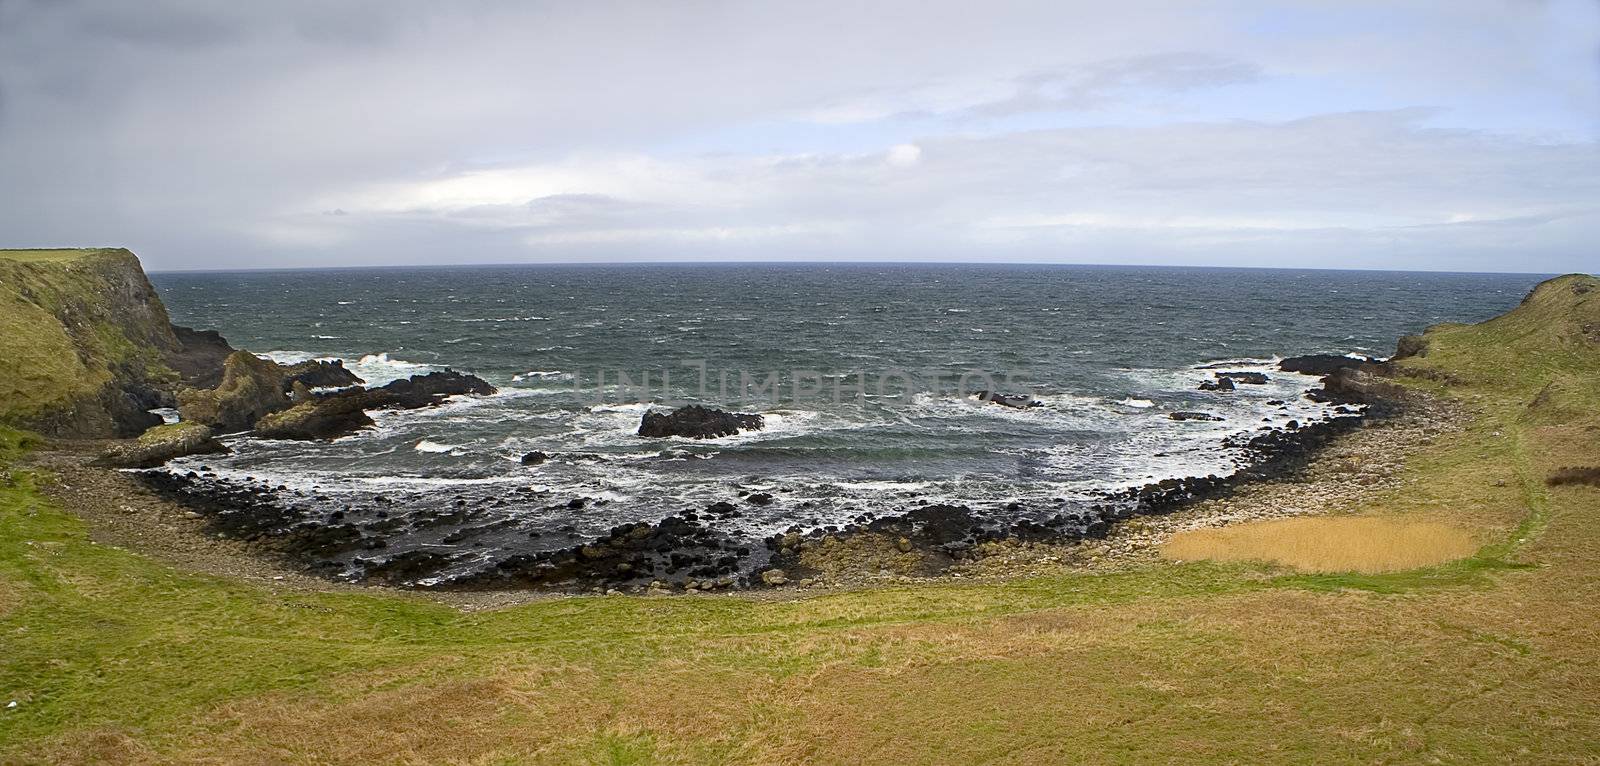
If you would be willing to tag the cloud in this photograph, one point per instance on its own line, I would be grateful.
(1332, 133)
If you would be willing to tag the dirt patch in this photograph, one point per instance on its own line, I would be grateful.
(1328, 544)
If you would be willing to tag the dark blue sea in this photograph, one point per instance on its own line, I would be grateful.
(860, 371)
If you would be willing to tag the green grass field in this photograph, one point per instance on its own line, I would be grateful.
(111, 657)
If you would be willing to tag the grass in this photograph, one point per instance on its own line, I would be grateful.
(113, 657)
(49, 255)
(1366, 544)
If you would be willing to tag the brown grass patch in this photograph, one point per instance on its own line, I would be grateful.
(1587, 475)
(1328, 544)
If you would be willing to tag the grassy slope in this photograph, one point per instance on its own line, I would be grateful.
(53, 367)
(1490, 659)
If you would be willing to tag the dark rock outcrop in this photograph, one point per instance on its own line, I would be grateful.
(1321, 364)
(697, 422)
(1409, 346)
(1220, 384)
(426, 390)
(320, 373)
(534, 458)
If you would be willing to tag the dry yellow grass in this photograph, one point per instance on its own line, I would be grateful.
(1328, 544)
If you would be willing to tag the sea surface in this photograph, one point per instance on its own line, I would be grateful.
(868, 411)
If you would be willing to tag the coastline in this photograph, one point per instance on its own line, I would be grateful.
(1320, 468)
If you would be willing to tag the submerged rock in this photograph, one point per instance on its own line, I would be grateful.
(697, 422)
(1014, 401)
(160, 444)
(534, 458)
(1187, 415)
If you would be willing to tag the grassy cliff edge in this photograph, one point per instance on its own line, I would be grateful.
(86, 338)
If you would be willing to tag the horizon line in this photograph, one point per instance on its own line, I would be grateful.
(600, 264)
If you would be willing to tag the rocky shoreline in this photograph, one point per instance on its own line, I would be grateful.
(687, 552)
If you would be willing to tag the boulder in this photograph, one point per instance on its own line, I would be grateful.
(250, 387)
(697, 422)
(160, 444)
(1220, 384)
(316, 418)
(1184, 415)
(774, 577)
(534, 458)
(320, 373)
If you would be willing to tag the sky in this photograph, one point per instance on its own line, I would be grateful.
(1455, 135)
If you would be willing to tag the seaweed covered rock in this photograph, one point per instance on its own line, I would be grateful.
(160, 444)
(697, 422)
(250, 387)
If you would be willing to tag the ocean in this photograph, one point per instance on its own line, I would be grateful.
(859, 370)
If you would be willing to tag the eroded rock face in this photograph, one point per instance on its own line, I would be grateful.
(160, 444)
(251, 387)
(697, 422)
(200, 357)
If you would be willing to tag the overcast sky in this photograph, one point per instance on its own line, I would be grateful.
(1455, 135)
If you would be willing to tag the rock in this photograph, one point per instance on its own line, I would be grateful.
(1409, 346)
(251, 387)
(320, 373)
(1249, 378)
(427, 390)
(1220, 384)
(903, 544)
(759, 498)
(534, 458)
(324, 418)
(774, 577)
(1186, 415)
(697, 422)
(201, 356)
(300, 393)
(1014, 401)
(160, 444)
(1321, 364)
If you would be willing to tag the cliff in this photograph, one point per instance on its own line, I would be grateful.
(86, 343)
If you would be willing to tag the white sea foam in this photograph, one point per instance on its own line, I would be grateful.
(541, 375)
(1137, 403)
(435, 447)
